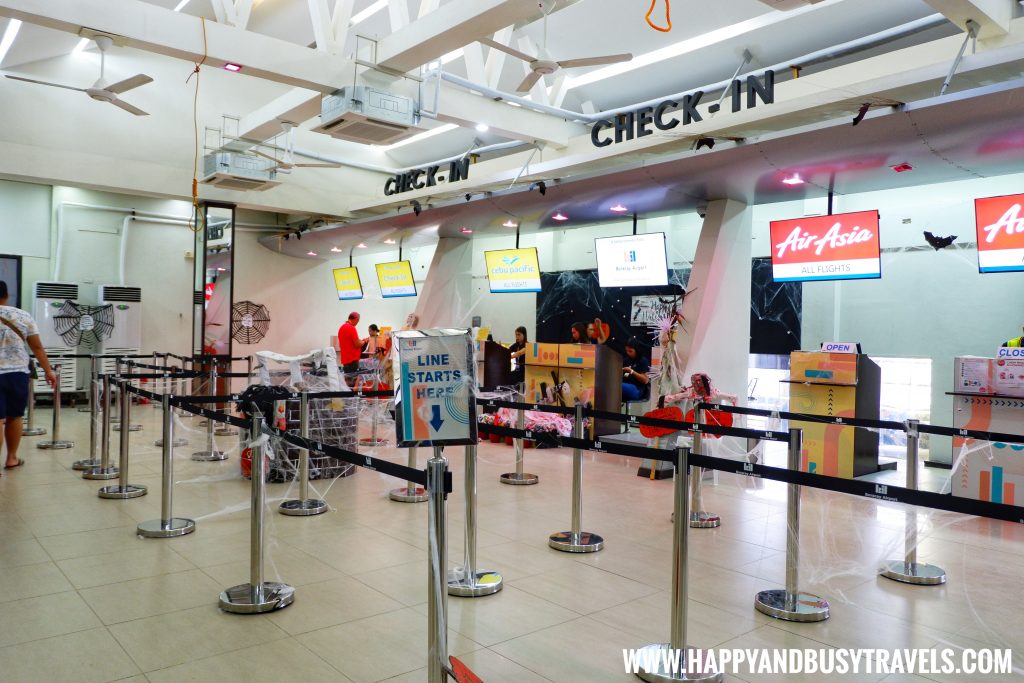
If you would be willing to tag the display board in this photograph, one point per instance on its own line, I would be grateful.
(435, 388)
(632, 260)
(396, 279)
(346, 281)
(1000, 227)
(839, 247)
(513, 270)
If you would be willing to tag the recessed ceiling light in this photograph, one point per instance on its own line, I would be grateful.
(619, 208)
(902, 168)
(310, 253)
(794, 179)
(233, 67)
(221, 270)
(467, 231)
(510, 224)
(361, 245)
(336, 250)
(13, 26)
(482, 128)
(559, 217)
(389, 241)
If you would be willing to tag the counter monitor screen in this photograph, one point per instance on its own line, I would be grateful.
(838, 247)
(1000, 236)
(396, 279)
(346, 281)
(632, 260)
(513, 270)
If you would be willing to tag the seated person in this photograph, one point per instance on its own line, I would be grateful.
(636, 382)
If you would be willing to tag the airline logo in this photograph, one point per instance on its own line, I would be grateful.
(840, 247)
(1000, 224)
(513, 270)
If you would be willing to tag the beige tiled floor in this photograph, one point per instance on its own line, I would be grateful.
(82, 598)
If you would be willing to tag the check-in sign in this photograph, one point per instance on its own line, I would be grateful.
(1000, 225)
(435, 401)
(840, 247)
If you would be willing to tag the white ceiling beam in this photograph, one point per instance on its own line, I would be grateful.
(232, 12)
(475, 67)
(427, 6)
(448, 28)
(297, 105)
(145, 26)
(398, 12)
(340, 21)
(496, 58)
(323, 31)
(539, 91)
(993, 16)
(466, 109)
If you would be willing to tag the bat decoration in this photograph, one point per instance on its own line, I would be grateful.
(938, 242)
(861, 113)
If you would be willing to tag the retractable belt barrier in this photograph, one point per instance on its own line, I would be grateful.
(868, 424)
(189, 403)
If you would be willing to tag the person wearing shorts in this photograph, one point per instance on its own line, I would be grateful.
(19, 336)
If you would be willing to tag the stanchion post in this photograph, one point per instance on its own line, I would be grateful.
(55, 442)
(105, 470)
(437, 560)
(123, 489)
(30, 428)
(222, 428)
(123, 396)
(789, 604)
(211, 454)
(909, 570)
(659, 662)
(468, 581)
(258, 595)
(699, 518)
(576, 540)
(519, 478)
(168, 526)
(94, 418)
(89, 407)
(304, 506)
(411, 492)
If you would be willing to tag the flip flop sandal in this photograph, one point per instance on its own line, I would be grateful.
(11, 467)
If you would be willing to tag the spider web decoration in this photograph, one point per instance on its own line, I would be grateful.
(249, 322)
(81, 325)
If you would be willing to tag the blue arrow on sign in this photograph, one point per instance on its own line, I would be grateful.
(435, 420)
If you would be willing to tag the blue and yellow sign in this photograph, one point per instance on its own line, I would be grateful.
(513, 270)
(396, 279)
(346, 280)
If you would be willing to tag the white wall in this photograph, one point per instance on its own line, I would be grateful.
(25, 230)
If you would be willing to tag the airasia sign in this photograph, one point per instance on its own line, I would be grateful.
(1000, 222)
(839, 247)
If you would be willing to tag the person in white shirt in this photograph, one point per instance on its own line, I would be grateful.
(19, 335)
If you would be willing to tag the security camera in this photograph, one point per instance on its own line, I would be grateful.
(701, 209)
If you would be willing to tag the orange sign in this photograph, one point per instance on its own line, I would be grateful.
(1000, 226)
(840, 247)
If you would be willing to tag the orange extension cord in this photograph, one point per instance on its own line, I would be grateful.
(668, 16)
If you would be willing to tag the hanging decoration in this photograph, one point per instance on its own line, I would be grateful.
(668, 16)
(81, 325)
(249, 322)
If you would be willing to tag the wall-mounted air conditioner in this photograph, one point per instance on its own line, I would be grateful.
(372, 117)
(235, 171)
(127, 335)
(48, 299)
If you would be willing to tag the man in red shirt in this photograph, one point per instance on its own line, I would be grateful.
(350, 347)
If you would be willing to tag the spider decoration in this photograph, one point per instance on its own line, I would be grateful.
(249, 322)
(81, 325)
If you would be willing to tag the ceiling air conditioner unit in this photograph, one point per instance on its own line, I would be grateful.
(786, 5)
(372, 117)
(235, 171)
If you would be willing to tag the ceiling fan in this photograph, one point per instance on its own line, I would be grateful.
(543, 65)
(286, 163)
(101, 90)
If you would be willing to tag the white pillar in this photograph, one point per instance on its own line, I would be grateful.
(446, 299)
(716, 337)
